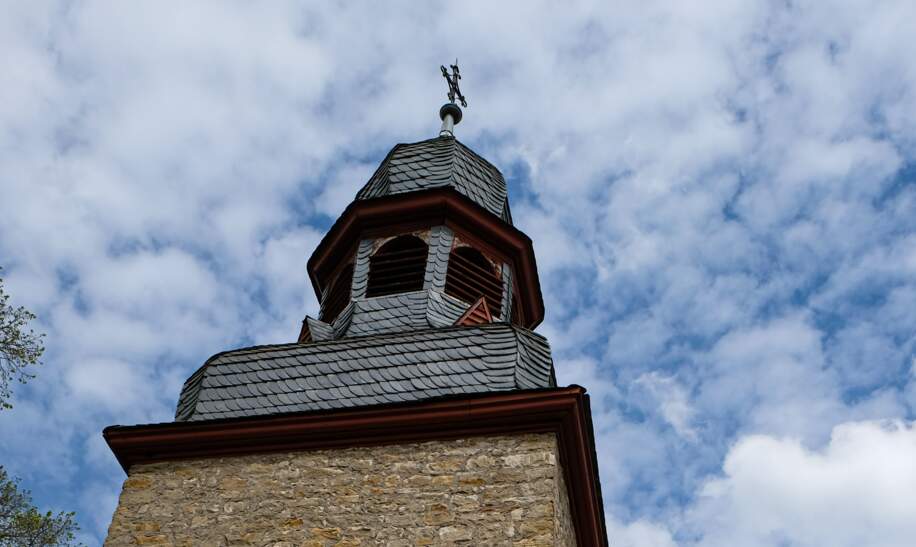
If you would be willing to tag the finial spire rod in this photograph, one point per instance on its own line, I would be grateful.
(450, 113)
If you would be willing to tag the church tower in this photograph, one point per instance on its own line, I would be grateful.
(418, 408)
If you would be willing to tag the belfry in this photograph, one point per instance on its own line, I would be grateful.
(418, 408)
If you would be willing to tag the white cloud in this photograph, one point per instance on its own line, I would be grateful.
(339, 191)
(108, 386)
(726, 249)
(640, 533)
(672, 401)
(856, 491)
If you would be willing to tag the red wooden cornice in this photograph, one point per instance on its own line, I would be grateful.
(414, 210)
(563, 411)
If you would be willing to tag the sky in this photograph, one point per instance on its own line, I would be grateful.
(721, 195)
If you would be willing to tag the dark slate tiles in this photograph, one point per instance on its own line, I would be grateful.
(392, 313)
(361, 269)
(189, 395)
(435, 163)
(507, 303)
(443, 310)
(320, 330)
(342, 323)
(534, 354)
(366, 370)
(440, 245)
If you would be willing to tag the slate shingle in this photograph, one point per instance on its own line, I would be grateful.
(436, 163)
(366, 370)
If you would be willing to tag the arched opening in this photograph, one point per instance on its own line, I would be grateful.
(338, 295)
(471, 276)
(398, 266)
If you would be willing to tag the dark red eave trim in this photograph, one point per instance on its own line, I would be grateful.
(428, 208)
(564, 411)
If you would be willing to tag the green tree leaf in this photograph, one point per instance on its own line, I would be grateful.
(23, 525)
(20, 346)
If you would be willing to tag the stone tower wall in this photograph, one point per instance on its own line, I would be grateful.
(500, 490)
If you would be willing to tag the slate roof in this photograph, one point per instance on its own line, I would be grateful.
(416, 310)
(435, 163)
(367, 370)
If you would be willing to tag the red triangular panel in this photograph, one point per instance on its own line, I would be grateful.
(477, 314)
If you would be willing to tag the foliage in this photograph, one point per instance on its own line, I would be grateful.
(20, 347)
(22, 525)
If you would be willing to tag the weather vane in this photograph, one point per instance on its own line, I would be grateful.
(453, 90)
(450, 113)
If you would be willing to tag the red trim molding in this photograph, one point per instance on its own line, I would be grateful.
(415, 210)
(564, 411)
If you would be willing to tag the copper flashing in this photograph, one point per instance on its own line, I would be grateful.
(563, 411)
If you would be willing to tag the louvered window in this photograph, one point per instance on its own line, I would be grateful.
(471, 275)
(398, 266)
(339, 295)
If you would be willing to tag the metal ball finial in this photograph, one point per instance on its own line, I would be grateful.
(451, 109)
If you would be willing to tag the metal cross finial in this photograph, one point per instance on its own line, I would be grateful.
(452, 79)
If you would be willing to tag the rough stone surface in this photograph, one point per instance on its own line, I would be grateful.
(564, 532)
(501, 490)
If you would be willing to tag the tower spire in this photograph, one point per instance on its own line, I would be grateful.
(450, 113)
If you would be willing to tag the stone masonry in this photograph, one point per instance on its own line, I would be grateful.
(500, 490)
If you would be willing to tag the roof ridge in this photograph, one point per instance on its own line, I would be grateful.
(370, 189)
(524, 359)
(468, 150)
(453, 160)
(190, 392)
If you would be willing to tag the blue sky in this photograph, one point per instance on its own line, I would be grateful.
(722, 198)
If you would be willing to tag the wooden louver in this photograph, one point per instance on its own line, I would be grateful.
(398, 266)
(338, 295)
(471, 276)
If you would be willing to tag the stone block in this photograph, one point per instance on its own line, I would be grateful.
(500, 490)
